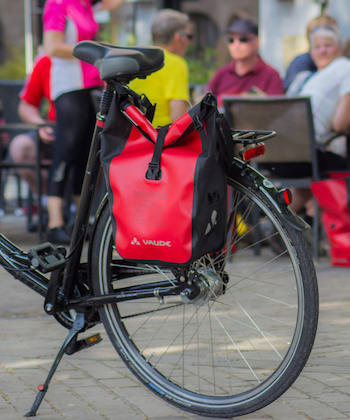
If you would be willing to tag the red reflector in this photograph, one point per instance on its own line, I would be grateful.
(252, 151)
(41, 387)
(286, 196)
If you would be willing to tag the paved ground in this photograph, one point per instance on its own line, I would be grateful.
(94, 384)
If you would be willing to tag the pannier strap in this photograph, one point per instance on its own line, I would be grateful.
(141, 102)
(150, 109)
(154, 172)
(225, 136)
(208, 104)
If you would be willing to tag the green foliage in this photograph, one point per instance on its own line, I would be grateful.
(14, 68)
(201, 66)
(105, 33)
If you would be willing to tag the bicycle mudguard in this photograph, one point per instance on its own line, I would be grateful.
(241, 170)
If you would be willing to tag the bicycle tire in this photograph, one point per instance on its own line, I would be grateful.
(227, 355)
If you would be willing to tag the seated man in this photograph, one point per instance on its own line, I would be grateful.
(168, 87)
(23, 147)
(247, 73)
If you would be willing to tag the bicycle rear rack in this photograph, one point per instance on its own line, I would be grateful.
(253, 142)
(251, 136)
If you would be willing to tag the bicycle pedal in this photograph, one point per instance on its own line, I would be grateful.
(47, 257)
(83, 344)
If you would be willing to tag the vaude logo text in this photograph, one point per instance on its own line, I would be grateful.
(151, 242)
(156, 243)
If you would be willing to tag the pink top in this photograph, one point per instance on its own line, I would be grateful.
(75, 19)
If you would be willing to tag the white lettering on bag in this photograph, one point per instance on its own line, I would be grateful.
(156, 243)
(151, 242)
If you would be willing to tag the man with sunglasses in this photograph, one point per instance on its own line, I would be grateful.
(247, 73)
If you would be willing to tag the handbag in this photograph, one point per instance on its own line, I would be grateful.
(333, 196)
(167, 186)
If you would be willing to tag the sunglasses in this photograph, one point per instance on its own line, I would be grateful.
(242, 39)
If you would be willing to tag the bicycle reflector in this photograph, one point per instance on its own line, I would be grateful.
(285, 196)
(251, 151)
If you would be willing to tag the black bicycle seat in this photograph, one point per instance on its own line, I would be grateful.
(120, 63)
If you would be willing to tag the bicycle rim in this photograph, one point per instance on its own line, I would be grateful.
(235, 349)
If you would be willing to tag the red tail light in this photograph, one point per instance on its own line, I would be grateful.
(252, 151)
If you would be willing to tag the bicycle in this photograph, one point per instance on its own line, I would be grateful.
(224, 337)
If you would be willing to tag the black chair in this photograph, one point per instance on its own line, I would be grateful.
(9, 97)
(295, 142)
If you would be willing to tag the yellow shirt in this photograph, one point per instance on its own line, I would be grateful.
(166, 84)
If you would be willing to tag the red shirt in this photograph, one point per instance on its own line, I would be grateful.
(37, 86)
(227, 81)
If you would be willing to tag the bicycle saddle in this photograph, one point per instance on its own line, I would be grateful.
(123, 63)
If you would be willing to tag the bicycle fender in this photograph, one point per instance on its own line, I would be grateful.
(241, 170)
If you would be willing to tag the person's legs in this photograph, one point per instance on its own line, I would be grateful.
(75, 120)
(55, 211)
(22, 151)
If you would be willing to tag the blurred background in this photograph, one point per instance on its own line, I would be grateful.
(282, 30)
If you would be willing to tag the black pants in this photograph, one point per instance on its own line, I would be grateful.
(75, 119)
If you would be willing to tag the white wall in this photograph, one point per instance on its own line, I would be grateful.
(340, 9)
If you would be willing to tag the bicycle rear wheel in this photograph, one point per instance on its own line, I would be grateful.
(240, 344)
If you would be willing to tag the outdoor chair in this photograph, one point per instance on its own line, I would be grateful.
(9, 97)
(295, 142)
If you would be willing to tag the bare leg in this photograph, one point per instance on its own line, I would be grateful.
(22, 151)
(55, 210)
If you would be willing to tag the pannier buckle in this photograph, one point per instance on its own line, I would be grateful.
(198, 125)
(209, 99)
(154, 173)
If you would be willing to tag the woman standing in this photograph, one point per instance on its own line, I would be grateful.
(67, 22)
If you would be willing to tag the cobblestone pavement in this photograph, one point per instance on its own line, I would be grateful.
(95, 385)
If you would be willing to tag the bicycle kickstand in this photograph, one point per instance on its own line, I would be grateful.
(78, 325)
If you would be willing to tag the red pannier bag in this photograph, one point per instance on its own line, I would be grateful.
(167, 187)
(333, 196)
